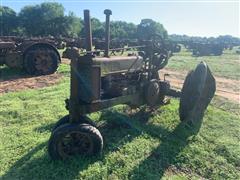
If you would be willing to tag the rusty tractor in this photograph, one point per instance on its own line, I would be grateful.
(100, 82)
(37, 56)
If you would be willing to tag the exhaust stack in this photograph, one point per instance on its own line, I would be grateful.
(107, 12)
(88, 30)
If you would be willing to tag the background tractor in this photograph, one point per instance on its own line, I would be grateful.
(37, 56)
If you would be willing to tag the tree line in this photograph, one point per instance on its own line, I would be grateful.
(223, 40)
(49, 19)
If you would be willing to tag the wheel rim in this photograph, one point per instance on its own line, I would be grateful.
(43, 61)
(74, 143)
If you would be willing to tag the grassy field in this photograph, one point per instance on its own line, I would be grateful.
(227, 65)
(137, 146)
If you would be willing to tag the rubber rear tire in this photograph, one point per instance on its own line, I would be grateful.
(74, 139)
(41, 61)
(198, 90)
(186, 98)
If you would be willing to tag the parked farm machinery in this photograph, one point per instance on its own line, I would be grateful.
(206, 49)
(37, 56)
(102, 81)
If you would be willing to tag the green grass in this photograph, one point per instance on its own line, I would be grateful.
(155, 146)
(226, 65)
(138, 146)
(226, 105)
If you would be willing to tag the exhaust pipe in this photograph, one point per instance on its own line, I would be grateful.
(107, 12)
(88, 30)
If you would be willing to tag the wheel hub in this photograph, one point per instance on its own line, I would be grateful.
(75, 143)
(43, 61)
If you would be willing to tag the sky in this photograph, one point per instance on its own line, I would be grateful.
(191, 17)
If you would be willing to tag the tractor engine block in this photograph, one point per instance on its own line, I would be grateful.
(120, 84)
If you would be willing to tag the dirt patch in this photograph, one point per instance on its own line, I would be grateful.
(227, 88)
(66, 61)
(24, 83)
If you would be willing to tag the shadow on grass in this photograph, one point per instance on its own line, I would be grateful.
(36, 164)
(7, 73)
(47, 127)
(165, 155)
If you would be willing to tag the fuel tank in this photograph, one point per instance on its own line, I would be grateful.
(115, 64)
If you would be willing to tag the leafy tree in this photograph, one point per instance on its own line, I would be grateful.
(119, 29)
(131, 30)
(148, 28)
(98, 28)
(122, 29)
(8, 21)
(74, 25)
(51, 10)
(30, 19)
(67, 26)
(39, 20)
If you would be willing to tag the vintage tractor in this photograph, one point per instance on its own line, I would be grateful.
(35, 56)
(99, 82)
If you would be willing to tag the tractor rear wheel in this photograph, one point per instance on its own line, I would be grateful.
(75, 139)
(41, 61)
(198, 90)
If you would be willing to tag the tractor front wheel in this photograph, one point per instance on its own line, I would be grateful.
(75, 139)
